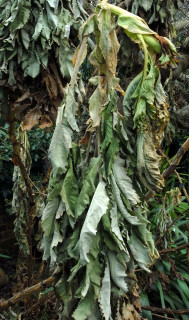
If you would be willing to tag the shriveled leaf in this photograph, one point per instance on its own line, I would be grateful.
(31, 118)
(97, 209)
(45, 122)
(108, 40)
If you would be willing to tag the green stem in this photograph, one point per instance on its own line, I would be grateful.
(140, 37)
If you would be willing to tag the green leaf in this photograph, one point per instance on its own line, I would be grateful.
(87, 27)
(105, 294)
(22, 16)
(52, 17)
(118, 271)
(53, 3)
(85, 306)
(65, 55)
(25, 38)
(60, 144)
(49, 216)
(33, 65)
(97, 209)
(38, 27)
(88, 187)
(134, 25)
(70, 191)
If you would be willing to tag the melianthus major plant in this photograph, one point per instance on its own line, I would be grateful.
(95, 221)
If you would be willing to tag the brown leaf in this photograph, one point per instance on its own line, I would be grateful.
(51, 86)
(45, 122)
(31, 118)
(85, 138)
(24, 96)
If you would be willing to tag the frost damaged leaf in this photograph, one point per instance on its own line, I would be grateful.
(48, 217)
(70, 108)
(146, 4)
(60, 144)
(85, 306)
(118, 271)
(131, 219)
(105, 294)
(98, 100)
(140, 252)
(88, 187)
(134, 25)
(97, 209)
(124, 182)
(108, 40)
(31, 118)
(70, 191)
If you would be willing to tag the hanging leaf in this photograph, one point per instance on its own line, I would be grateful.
(118, 271)
(22, 16)
(85, 306)
(97, 209)
(105, 294)
(60, 144)
(48, 217)
(88, 187)
(70, 191)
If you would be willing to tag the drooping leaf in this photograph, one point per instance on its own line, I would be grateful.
(124, 182)
(134, 25)
(105, 294)
(85, 306)
(60, 144)
(88, 187)
(97, 209)
(108, 40)
(131, 219)
(48, 217)
(146, 4)
(70, 191)
(22, 16)
(118, 271)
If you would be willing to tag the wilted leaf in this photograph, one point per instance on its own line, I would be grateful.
(118, 271)
(60, 144)
(70, 191)
(97, 209)
(88, 187)
(48, 217)
(31, 118)
(108, 40)
(105, 293)
(45, 122)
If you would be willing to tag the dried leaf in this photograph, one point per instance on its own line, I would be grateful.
(45, 122)
(31, 118)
